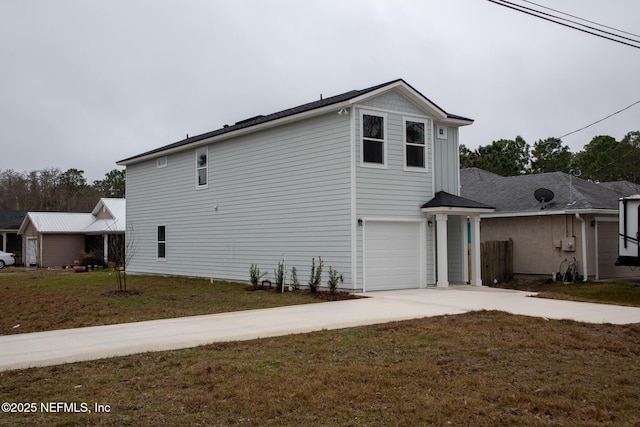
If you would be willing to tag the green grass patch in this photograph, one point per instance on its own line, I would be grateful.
(481, 368)
(610, 292)
(44, 300)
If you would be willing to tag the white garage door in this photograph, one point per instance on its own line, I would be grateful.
(392, 255)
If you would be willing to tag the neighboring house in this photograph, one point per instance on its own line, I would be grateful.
(9, 240)
(52, 239)
(581, 221)
(346, 178)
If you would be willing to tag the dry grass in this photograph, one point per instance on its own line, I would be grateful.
(609, 292)
(44, 300)
(483, 368)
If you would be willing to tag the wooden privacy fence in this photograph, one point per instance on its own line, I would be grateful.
(497, 261)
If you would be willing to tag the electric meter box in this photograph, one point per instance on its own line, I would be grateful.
(569, 244)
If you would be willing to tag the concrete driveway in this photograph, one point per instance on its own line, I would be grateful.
(73, 345)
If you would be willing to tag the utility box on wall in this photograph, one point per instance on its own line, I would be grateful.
(569, 244)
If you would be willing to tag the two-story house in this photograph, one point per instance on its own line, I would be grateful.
(368, 180)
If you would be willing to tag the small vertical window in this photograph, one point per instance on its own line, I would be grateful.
(162, 162)
(202, 169)
(415, 144)
(373, 140)
(162, 242)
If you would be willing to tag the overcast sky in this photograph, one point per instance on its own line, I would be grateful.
(86, 83)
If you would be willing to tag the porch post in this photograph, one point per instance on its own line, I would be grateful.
(105, 248)
(443, 270)
(476, 270)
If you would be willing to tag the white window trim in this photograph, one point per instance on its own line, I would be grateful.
(427, 144)
(198, 186)
(159, 241)
(162, 162)
(385, 140)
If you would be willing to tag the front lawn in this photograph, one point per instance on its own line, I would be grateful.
(475, 369)
(39, 300)
(609, 292)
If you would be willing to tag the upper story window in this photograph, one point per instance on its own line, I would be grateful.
(373, 148)
(415, 144)
(202, 168)
(162, 162)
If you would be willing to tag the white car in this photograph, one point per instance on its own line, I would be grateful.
(6, 259)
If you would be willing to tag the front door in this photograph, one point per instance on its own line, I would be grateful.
(31, 258)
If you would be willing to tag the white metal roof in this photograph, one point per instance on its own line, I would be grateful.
(81, 223)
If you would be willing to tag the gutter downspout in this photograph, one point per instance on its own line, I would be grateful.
(584, 246)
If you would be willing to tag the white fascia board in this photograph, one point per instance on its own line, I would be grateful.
(547, 213)
(420, 101)
(457, 211)
(455, 122)
(24, 225)
(240, 132)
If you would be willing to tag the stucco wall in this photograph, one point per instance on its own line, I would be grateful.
(535, 239)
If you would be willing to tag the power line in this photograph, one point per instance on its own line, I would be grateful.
(601, 120)
(548, 17)
(573, 22)
(582, 19)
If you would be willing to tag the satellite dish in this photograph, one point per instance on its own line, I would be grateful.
(543, 195)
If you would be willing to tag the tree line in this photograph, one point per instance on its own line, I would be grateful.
(602, 159)
(53, 190)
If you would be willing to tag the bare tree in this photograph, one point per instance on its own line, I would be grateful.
(122, 249)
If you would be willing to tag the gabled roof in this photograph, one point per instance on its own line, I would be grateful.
(58, 222)
(11, 220)
(79, 223)
(323, 105)
(515, 194)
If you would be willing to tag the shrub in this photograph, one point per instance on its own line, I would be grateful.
(91, 258)
(334, 278)
(255, 275)
(316, 275)
(294, 279)
(278, 274)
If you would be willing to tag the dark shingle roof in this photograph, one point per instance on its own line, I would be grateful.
(253, 121)
(11, 220)
(515, 193)
(444, 199)
(623, 188)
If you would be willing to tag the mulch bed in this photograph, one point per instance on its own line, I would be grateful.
(323, 295)
(132, 293)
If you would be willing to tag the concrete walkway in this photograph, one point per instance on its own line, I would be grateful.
(73, 345)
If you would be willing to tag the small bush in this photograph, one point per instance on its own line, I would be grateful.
(91, 258)
(255, 275)
(316, 275)
(278, 274)
(294, 279)
(334, 278)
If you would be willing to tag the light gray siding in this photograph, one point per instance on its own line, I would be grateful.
(447, 157)
(394, 193)
(282, 191)
(295, 190)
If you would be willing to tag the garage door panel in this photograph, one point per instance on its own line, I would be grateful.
(392, 255)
